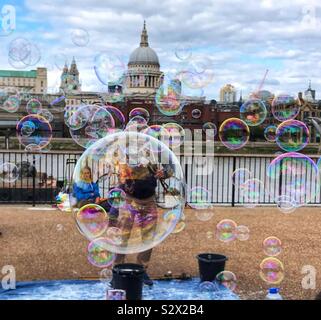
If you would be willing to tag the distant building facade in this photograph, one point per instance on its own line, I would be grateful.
(228, 94)
(33, 81)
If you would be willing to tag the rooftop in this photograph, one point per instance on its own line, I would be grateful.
(18, 74)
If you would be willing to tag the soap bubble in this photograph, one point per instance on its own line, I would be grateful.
(80, 37)
(200, 198)
(153, 183)
(234, 133)
(139, 112)
(34, 130)
(207, 286)
(11, 104)
(285, 107)
(240, 176)
(98, 255)
(242, 233)
(270, 133)
(272, 246)
(45, 113)
(227, 279)
(118, 116)
(285, 204)
(8, 172)
(253, 112)
(272, 270)
(168, 100)
(105, 276)
(33, 106)
(292, 135)
(226, 230)
(210, 130)
(116, 197)
(176, 134)
(296, 176)
(252, 191)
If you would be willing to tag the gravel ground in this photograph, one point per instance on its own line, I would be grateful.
(44, 244)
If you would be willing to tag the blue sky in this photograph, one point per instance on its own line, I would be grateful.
(237, 41)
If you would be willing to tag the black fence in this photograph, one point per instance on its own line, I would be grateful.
(40, 177)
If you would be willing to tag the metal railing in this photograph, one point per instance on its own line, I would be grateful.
(213, 173)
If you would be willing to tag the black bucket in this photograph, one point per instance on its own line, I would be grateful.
(210, 265)
(129, 277)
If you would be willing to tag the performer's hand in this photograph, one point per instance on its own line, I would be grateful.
(159, 173)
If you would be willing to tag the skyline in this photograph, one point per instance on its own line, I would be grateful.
(237, 42)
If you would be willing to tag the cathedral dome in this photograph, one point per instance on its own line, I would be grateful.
(143, 55)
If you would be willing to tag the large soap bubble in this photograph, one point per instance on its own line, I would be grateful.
(150, 193)
(294, 176)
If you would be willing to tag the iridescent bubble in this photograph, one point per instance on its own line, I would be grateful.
(296, 176)
(252, 191)
(292, 135)
(168, 100)
(92, 221)
(95, 123)
(105, 276)
(158, 132)
(9, 172)
(272, 246)
(270, 133)
(98, 255)
(41, 134)
(200, 198)
(240, 176)
(210, 130)
(234, 133)
(116, 197)
(180, 226)
(196, 113)
(207, 286)
(12, 104)
(118, 116)
(176, 134)
(146, 177)
(272, 270)
(227, 279)
(209, 235)
(33, 106)
(46, 114)
(204, 214)
(139, 112)
(80, 37)
(226, 230)
(242, 233)
(109, 68)
(183, 52)
(285, 107)
(285, 204)
(253, 112)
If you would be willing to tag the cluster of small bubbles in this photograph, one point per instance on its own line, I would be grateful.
(272, 270)
(227, 279)
(285, 107)
(272, 246)
(176, 134)
(234, 133)
(142, 112)
(109, 68)
(227, 230)
(240, 176)
(270, 133)
(299, 176)
(34, 130)
(9, 172)
(80, 37)
(253, 112)
(34, 106)
(98, 255)
(89, 124)
(210, 130)
(22, 53)
(292, 135)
